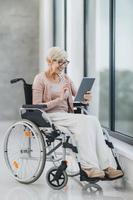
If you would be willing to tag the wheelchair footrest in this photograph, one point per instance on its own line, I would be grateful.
(85, 177)
(110, 179)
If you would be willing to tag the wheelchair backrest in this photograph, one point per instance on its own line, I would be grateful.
(27, 89)
(28, 93)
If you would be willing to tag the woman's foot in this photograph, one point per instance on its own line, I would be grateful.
(94, 173)
(113, 173)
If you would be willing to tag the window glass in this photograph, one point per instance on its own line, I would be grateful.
(124, 67)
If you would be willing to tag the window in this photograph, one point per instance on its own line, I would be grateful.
(109, 47)
(124, 67)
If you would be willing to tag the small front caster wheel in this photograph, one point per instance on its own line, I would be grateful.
(55, 182)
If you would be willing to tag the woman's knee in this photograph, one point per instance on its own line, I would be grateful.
(89, 119)
(94, 120)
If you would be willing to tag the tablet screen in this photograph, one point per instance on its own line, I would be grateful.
(86, 84)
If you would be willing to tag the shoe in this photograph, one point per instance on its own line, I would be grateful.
(94, 173)
(113, 173)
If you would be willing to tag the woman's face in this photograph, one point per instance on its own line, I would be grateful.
(59, 66)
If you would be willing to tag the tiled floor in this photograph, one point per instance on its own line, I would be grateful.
(12, 190)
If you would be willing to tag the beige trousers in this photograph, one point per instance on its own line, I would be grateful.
(89, 137)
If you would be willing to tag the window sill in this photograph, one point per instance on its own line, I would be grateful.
(123, 148)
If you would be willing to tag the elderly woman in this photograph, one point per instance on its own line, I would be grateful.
(54, 88)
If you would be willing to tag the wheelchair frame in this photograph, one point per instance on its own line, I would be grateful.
(47, 134)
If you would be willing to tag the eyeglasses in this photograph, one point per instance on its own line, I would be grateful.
(66, 62)
(62, 62)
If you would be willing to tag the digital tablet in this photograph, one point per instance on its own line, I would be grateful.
(86, 84)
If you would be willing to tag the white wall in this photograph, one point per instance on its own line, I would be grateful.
(45, 30)
(19, 56)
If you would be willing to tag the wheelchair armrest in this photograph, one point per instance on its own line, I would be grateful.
(80, 107)
(79, 104)
(37, 106)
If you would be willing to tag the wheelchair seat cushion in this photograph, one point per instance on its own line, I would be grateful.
(37, 116)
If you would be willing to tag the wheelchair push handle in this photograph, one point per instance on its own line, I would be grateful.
(76, 104)
(17, 80)
(36, 106)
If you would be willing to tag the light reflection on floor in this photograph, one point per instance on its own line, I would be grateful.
(12, 190)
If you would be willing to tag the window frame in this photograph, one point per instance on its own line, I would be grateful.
(112, 32)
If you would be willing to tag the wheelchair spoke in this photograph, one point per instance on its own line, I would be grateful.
(24, 169)
(21, 169)
(53, 173)
(30, 167)
(13, 153)
(61, 177)
(52, 180)
(54, 184)
(57, 182)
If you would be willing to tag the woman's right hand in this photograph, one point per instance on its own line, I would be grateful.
(64, 92)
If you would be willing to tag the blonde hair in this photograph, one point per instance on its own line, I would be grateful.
(55, 54)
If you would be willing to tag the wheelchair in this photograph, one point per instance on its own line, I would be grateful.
(35, 140)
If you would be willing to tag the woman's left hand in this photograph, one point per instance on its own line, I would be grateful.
(87, 97)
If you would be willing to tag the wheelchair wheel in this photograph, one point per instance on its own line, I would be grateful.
(60, 182)
(24, 151)
(92, 189)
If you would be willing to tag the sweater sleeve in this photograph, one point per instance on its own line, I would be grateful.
(38, 90)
